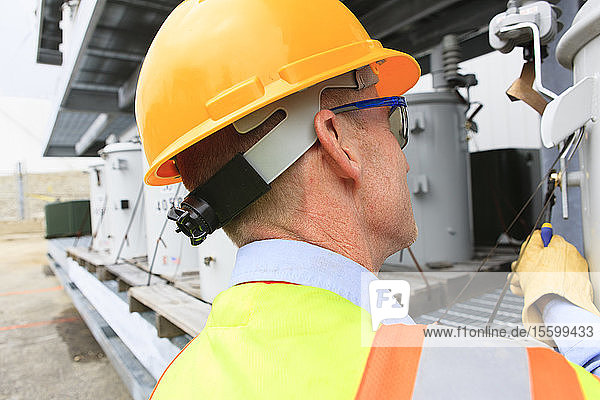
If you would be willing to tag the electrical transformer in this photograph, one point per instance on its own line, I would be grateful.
(124, 209)
(438, 180)
(217, 258)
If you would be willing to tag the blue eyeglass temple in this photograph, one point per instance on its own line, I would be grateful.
(394, 101)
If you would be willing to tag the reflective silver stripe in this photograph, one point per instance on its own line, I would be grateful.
(473, 373)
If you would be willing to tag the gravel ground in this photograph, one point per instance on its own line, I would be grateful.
(46, 350)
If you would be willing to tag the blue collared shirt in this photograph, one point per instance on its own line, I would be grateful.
(306, 264)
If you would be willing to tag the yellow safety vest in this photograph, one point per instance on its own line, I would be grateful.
(283, 341)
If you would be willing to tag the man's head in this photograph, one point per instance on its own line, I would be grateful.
(347, 191)
(380, 190)
(216, 64)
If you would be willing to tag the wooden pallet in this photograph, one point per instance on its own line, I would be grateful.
(142, 263)
(89, 259)
(190, 286)
(128, 276)
(176, 312)
(181, 276)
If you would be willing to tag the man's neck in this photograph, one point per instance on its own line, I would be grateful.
(341, 234)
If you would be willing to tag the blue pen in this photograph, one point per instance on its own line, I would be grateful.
(546, 233)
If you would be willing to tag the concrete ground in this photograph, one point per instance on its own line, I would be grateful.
(46, 350)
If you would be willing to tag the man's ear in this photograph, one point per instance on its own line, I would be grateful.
(341, 159)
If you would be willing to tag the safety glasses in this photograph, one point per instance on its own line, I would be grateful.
(398, 115)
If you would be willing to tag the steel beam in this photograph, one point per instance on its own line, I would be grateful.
(47, 56)
(417, 26)
(94, 87)
(86, 100)
(59, 151)
(422, 37)
(116, 55)
(146, 5)
(69, 151)
(127, 90)
(92, 134)
(405, 13)
(115, 76)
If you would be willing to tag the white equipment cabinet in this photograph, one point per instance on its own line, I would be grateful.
(217, 257)
(175, 256)
(123, 180)
(100, 228)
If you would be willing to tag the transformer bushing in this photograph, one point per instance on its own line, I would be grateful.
(450, 58)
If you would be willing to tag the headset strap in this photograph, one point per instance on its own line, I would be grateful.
(247, 176)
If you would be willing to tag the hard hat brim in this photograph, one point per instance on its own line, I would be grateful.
(397, 74)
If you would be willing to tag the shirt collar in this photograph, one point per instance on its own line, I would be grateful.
(303, 264)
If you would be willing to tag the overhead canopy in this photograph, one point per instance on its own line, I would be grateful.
(101, 62)
(111, 37)
(416, 26)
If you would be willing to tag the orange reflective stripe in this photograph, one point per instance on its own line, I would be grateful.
(393, 362)
(551, 376)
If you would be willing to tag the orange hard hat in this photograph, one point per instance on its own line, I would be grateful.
(214, 61)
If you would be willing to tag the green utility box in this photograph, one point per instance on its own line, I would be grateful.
(68, 218)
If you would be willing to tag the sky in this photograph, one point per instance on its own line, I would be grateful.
(27, 92)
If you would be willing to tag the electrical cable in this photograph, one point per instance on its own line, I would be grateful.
(513, 222)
